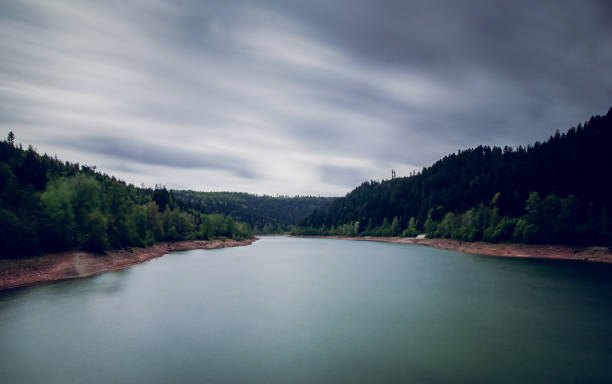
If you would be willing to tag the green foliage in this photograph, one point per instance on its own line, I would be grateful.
(384, 229)
(57, 223)
(47, 205)
(266, 214)
(163, 198)
(137, 226)
(412, 230)
(503, 231)
(228, 227)
(430, 225)
(177, 224)
(446, 226)
(492, 194)
(396, 229)
(206, 230)
(96, 238)
(549, 220)
(241, 231)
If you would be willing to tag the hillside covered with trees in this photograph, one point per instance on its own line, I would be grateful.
(557, 191)
(265, 214)
(48, 205)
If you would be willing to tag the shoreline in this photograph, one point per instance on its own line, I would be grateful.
(16, 273)
(527, 251)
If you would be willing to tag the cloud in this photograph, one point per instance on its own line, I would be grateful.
(167, 155)
(344, 176)
(294, 97)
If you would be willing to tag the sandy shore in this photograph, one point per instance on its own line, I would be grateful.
(77, 264)
(560, 252)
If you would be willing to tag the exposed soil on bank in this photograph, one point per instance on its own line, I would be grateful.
(561, 252)
(77, 264)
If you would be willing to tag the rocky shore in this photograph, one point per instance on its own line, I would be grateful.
(560, 252)
(77, 264)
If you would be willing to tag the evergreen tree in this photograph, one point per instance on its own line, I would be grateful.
(10, 139)
(551, 192)
(47, 205)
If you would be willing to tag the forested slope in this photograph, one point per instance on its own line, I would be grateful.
(265, 214)
(557, 191)
(49, 205)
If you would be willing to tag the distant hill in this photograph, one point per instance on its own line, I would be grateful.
(557, 191)
(265, 214)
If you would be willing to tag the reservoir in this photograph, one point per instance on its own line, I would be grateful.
(289, 310)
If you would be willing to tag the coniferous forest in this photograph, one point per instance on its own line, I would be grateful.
(555, 192)
(265, 214)
(551, 192)
(47, 205)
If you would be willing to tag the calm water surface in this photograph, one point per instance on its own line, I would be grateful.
(315, 311)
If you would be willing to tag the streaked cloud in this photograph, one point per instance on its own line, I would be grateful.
(167, 155)
(294, 97)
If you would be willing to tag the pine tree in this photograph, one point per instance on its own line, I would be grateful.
(11, 138)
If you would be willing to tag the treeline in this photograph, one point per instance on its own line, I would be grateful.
(265, 214)
(551, 192)
(552, 220)
(48, 205)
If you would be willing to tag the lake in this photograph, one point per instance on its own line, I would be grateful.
(287, 310)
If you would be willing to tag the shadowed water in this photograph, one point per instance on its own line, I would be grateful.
(315, 311)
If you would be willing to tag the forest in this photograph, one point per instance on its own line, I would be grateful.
(265, 214)
(551, 192)
(556, 192)
(47, 205)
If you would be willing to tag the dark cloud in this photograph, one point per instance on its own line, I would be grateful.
(143, 152)
(294, 86)
(554, 55)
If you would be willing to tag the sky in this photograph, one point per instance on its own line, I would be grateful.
(294, 97)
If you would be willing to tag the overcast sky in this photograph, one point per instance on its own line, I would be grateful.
(294, 97)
